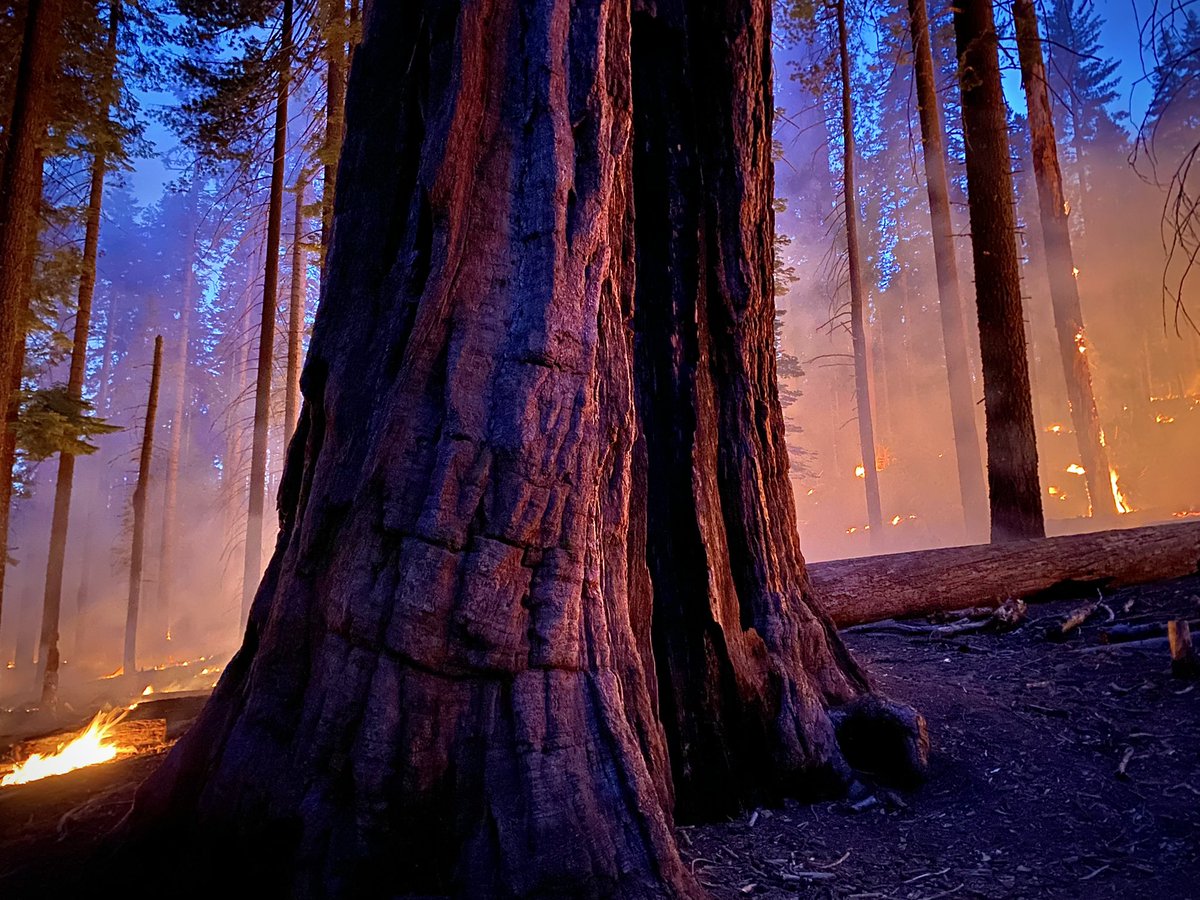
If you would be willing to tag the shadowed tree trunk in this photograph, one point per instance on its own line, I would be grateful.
(336, 61)
(1013, 487)
(1060, 266)
(266, 335)
(504, 462)
(858, 326)
(139, 516)
(48, 649)
(20, 203)
(950, 305)
(296, 309)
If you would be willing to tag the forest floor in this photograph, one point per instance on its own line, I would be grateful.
(1054, 773)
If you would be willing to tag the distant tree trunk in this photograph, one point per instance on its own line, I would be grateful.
(1014, 491)
(858, 332)
(48, 650)
(167, 539)
(447, 681)
(1060, 265)
(950, 304)
(266, 336)
(296, 311)
(336, 61)
(139, 515)
(20, 202)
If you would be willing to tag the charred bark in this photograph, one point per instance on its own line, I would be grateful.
(266, 334)
(1060, 266)
(1013, 487)
(448, 681)
(950, 306)
(140, 498)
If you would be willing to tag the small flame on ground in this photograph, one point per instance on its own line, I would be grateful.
(1055, 428)
(1122, 504)
(91, 746)
(1076, 469)
(1075, 271)
(1164, 420)
(896, 520)
(148, 691)
(860, 472)
(115, 673)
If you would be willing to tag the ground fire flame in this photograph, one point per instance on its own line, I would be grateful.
(95, 744)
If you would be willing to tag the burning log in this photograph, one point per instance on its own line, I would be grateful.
(923, 582)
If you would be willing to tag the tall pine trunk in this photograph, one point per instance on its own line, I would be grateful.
(1013, 487)
(858, 324)
(48, 649)
(20, 204)
(336, 62)
(448, 681)
(950, 305)
(266, 335)
(140, 497)
(1060, 266)
(179, 413)
(296, 310)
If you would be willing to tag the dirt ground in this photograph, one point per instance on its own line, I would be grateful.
(1056, 772)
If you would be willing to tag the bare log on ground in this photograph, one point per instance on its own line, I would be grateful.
(869, 589)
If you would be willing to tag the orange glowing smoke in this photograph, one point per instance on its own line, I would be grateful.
(93, 745)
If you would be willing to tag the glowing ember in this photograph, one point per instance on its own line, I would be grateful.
(1075, 271)
(1055, 429)
(148, 691)
(860, 472)
(1164, 420)
(90, 747)
(896, 520)
(1076, 469)
(1053, 491)
(1122, 504)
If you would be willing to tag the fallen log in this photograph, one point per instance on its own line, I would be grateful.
(923, 582)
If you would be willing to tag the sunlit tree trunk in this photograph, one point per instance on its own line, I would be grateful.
(950, 305)
(858, 325)
(266, 335)
(1060, 266)
(447, 683)
(1013, 487)
(140, 493)
(48, 649)
(20, 203)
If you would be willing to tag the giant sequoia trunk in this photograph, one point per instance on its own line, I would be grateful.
(1013, 487)
(537, 549)
(1060, 266)
(950, 308)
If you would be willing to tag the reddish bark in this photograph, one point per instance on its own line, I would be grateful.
(448, 681)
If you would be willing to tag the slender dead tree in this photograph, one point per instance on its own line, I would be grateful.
(336, 63)
(140, 497)
(950, 305)
(1060, 266)
(266, 335)
(48, 649)
(20, 202)
(450, 680)
(858, 325)
(296, 311)
(1014, 491)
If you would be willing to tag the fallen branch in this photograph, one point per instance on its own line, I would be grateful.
(1060, 631)
(924, 582)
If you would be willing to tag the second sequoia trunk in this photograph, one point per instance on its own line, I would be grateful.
(478, 653)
